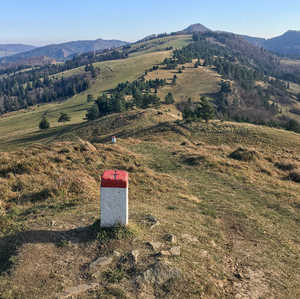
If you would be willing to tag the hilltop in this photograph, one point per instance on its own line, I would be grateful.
(287, 44)
(194, 28)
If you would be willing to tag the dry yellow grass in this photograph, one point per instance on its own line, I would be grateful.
(191, 83)
(243, 215)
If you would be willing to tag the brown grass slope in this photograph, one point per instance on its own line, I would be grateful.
(236, 219)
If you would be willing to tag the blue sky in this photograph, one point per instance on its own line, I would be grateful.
(46, 21)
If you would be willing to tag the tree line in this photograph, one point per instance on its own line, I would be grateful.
(140, 93)
(20, 89)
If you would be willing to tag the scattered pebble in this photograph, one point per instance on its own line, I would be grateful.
(154, 245)
(100, 262)
(189, 238)
(170, 238)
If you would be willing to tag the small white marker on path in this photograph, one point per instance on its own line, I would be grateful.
(114, 198)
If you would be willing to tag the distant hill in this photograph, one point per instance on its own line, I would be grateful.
(194, 28)
(63, 51)
(286, 44)
(11, 49)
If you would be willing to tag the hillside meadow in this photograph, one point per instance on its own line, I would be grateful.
(228, 193)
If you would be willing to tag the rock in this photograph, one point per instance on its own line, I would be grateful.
(154, 245)
(151, 218)
(170, 238)
(153, 221)
(97, 275)
(53, 223)
(116, 253)
(203, 253)
(75, 291)
(158, 274)
(175, 251)
(165, 253)
(189, 238)
(100, 262)
(155, 224)
(133, 256)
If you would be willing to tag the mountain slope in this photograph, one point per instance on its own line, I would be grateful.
(235, 222)
(62, 51)
(233, 215)
(286, 44)
(11, 49)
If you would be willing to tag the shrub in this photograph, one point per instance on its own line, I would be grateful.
(285, 166)
(193, 160)
(90, 98)
(169, 99)
(114, 233)
(114, 275)
(242, 154)
(64, 117)
(44, 124)
(294, 176)
(93, 112)
(293, 125)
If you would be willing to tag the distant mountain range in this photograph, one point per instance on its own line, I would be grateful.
(61, 52)
(286, 44)
(11, 49)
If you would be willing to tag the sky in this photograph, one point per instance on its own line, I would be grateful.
(41, 22)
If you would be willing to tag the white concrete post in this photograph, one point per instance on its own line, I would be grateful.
(114, 198)
(114, 139)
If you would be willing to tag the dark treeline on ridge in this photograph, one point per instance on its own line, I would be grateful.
(20, 89)
(125, 96)
(242, 65)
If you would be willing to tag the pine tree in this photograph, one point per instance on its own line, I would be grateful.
(169, 99)
(174, 80)
(205, 110)
(93, 112)
(44, 124)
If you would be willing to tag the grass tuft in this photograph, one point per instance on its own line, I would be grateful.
(114, 233)
(114, 275)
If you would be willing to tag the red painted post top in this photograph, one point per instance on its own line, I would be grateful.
(114, 179)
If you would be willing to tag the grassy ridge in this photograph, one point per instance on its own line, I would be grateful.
(16, 125)
(244, 215)
(191, 83)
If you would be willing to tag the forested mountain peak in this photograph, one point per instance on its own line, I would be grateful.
(195, 28)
